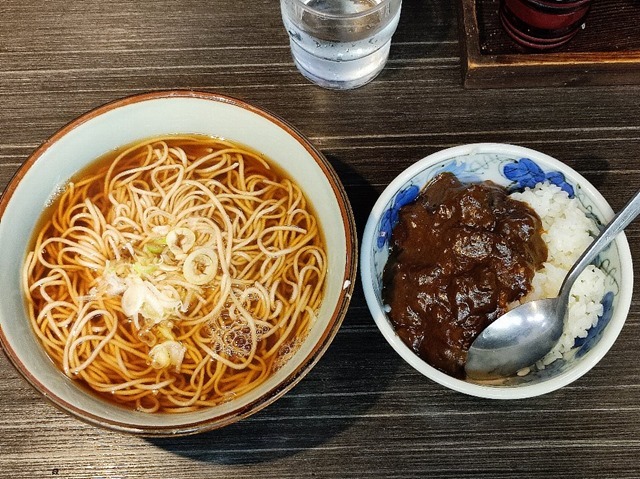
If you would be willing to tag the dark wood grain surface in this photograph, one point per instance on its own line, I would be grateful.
(361, 412)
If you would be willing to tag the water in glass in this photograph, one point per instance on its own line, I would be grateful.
(339, 45)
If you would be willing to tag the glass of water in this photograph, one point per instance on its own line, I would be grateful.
(340, 44)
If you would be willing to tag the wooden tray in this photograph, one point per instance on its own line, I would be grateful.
(605, 52)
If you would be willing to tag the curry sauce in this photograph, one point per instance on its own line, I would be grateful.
(460, 254)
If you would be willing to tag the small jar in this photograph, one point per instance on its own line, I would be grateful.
(543, 24)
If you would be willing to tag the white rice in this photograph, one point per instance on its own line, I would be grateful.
(567, 232)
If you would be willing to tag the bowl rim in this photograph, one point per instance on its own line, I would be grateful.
(485, 390)
(306, 364)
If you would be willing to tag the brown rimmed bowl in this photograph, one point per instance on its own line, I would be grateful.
(136, 118)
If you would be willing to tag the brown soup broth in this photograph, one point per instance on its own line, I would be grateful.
(214, 382)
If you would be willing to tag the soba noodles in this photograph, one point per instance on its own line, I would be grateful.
(181, 273)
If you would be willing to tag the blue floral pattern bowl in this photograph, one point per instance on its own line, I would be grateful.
(515, 168)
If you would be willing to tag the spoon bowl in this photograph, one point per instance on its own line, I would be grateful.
(517, 339)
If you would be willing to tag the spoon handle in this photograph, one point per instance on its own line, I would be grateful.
(619, 222)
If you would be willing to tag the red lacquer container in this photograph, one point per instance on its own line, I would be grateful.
(543, 24)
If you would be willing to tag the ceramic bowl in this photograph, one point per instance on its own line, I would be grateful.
(515, 168)
(123, 122)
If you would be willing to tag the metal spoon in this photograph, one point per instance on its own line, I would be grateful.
(525, 334)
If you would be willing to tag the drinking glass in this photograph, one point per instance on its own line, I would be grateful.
(340, 44)
(543, 24)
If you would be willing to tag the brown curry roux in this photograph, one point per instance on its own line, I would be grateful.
(459, 255)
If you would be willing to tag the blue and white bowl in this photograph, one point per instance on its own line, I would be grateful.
(515, 168)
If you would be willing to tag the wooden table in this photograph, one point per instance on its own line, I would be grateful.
(361, 412)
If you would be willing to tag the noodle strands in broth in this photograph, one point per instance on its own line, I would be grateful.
(176, 274)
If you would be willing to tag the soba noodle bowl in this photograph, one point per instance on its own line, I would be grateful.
(175, 274)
